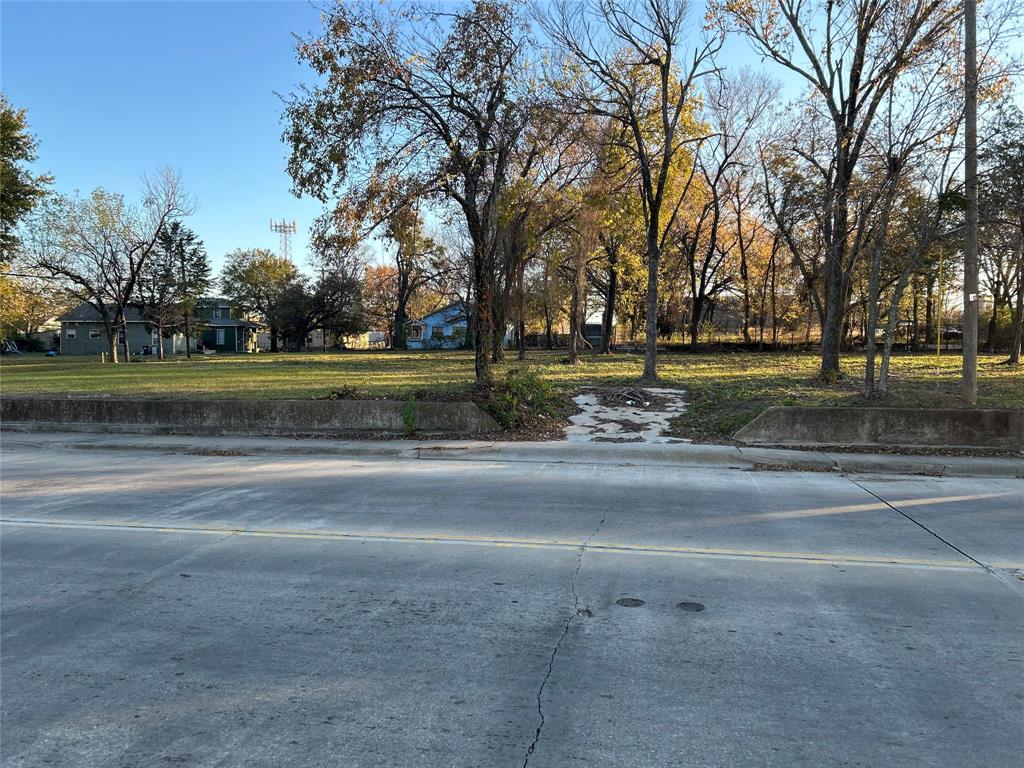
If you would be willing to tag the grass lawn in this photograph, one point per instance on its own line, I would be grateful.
(726, 389)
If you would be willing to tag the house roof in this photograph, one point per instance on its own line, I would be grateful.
(86, 313)
(444, 311)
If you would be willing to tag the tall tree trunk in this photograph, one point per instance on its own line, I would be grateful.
(1018, 321)
(831, 328)
(607, 320)
(574, 325)
(399, 336)
(744, 276)
(577, 308)
(651, 328)
(762, 302)
(124, 343)
(890, 332)
(874, 298)
(111, 331)
(696, 315)
(498, 336)
(481, 312)
(929, 309)
(521, 310)
(993, 322)
(188, 338)
(160, 341)
(273, 338)
(914, 342)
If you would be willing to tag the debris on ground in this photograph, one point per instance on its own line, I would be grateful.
(625, 415)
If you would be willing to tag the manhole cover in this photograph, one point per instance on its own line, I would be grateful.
(629, 602)
(693, 607)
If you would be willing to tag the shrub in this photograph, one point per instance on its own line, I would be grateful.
(523, 397)
(409, 415)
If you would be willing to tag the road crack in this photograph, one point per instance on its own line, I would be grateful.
(993, 572)
(576, 613)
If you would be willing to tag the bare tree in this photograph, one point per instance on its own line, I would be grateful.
(851, 54)
(97, 247)
(629, 66)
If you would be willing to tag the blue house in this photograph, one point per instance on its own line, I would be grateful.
(444, 328)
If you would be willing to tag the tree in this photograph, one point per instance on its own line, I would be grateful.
(22, 190)
(26, 303)
(614, 194)
(335, 295)
(96, 248)
(431, 95)
(627, 65)
(418, 262)
(379, 283)
(553, 154)
(1002, 207)
(174, 279)
(851, 54)
(911, 177)
(257, 280)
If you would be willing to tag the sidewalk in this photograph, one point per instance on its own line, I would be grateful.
(619, 454)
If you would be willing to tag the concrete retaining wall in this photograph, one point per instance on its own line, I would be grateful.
(247, 417)
(939, 427)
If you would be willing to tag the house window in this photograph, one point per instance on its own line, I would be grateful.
(220, 336)
(415, 332)
(72, 333)
(94, 333)
(216, 313)
(437, 332)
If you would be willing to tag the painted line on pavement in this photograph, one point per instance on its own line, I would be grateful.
(812, 558)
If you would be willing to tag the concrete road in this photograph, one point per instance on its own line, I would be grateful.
(208, 610)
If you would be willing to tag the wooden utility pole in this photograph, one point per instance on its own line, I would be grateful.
(970, 323)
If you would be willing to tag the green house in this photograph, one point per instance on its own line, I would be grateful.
(220, 327)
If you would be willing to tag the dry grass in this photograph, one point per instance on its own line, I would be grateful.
(726, 389)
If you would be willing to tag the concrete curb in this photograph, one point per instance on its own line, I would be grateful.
(248, 417)
(672, 454)
(913, 428)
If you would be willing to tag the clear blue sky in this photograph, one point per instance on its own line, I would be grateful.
(116, 89)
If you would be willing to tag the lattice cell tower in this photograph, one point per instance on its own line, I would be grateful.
(285, 229)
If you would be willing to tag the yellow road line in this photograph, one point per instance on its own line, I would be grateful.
(820, 558)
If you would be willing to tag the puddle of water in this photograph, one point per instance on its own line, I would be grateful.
(597, 423)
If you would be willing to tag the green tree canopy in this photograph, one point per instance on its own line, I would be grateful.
(259, 281)
(21, 189)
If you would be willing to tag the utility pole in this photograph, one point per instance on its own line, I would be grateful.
(970, 327)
